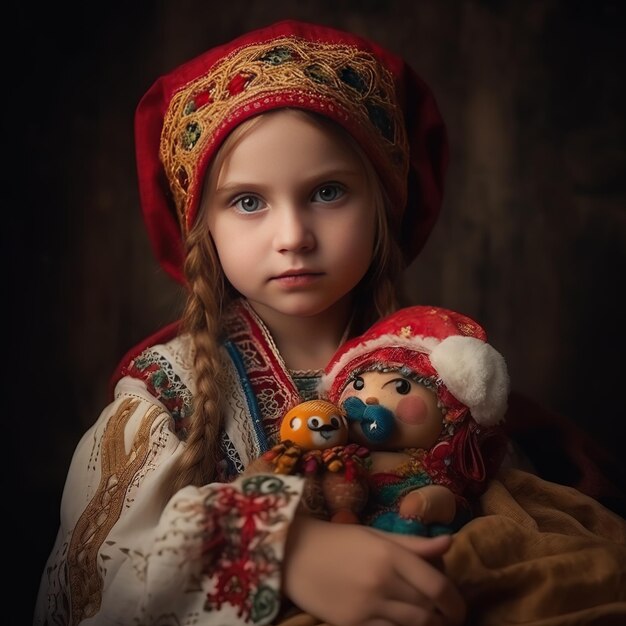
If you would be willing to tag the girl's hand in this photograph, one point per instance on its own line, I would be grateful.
(351, 575)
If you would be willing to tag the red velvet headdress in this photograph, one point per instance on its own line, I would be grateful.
(444, 346)
(185, 116)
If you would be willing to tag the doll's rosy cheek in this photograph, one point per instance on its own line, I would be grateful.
(412, 410)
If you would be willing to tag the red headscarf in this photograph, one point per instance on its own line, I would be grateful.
(185, 116)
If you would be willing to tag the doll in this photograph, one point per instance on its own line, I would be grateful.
(425, 392)
(314, 444)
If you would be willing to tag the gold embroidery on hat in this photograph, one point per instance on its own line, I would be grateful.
(287, 71)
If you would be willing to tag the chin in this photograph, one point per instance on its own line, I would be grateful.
(304, 306)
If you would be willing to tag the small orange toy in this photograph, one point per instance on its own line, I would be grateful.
(315, 425)
(313, 443)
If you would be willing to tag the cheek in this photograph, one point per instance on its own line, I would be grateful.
(237, 262)
(353, 238)
(412, 410)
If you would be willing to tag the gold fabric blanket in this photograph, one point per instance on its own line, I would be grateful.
(540, 554)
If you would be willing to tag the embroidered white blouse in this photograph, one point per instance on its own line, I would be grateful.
(209, 555)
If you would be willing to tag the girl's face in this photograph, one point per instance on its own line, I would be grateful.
(291, 217)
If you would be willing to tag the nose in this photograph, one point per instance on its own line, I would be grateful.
(293, 231)
(371, 400)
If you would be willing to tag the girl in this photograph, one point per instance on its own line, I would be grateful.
(285, 177)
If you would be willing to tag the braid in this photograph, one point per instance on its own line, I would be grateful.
(208, 296)
(202, 320)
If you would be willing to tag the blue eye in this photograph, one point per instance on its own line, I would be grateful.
(248, 204)
(328, 193)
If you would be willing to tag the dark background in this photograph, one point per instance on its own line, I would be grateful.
(530, 241)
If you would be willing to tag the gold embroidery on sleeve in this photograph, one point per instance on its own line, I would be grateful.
(118, 470)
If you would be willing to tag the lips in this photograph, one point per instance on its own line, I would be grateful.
(296, 273)
(297, 279)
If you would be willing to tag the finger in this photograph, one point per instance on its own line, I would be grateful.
(400, 590)
(426, 547)
(402, 614)
(434, 585)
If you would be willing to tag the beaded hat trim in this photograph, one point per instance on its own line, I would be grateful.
(339, 81)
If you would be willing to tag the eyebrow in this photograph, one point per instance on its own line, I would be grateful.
(316, 179)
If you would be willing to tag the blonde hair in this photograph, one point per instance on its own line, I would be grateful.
(209, 294)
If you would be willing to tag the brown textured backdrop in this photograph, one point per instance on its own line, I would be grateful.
(530, 241)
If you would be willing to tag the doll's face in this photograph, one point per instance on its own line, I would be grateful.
(418, 421)
(291, 217)
(315, 425)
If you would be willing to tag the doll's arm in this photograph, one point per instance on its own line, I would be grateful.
(126, 555)
(429, 504)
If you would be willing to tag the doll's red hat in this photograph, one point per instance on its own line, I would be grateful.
(186, 114)
(447, 349)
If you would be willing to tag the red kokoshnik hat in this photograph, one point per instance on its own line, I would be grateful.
(185, 116)
(447, 348)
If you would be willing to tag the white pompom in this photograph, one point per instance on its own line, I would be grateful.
(475, 373)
